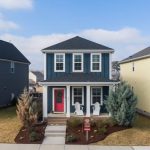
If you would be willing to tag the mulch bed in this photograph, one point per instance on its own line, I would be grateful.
(93, 137)
(23, 135)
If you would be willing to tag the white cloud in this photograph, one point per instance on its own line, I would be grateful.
(6, 25)
(16, 4)
(125, 41)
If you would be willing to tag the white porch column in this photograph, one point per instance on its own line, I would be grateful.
(88, 101)
(68, 101)
(110, 88)
(45, 100)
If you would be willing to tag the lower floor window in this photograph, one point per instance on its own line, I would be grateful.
(96, 95)
(78, 95)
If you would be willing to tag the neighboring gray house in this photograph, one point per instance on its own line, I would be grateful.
(14, 68)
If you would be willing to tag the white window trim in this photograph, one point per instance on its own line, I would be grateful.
(101, 102)
(81, 54)
(55, 62)
(100, 63)
(73, 95)
(12, 66)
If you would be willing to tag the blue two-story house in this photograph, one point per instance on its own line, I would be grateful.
(76, 70)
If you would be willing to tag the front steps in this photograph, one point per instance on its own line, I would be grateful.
(56, 121)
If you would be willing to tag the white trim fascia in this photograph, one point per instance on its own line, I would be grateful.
(73, 94)
(101, 87)
(14, 61)
(137, 58)
(110, 66)
(82, 58)
(63, 62)
(100, 63)
(79, 51)
(45, 64)
(79, 83)
(64, 100)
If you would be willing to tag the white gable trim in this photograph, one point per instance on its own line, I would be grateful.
(8, 60)
(78, 51)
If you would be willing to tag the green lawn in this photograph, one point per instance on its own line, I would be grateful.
(138, 135)
(9, 125)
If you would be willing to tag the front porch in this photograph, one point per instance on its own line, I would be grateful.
(86, 95)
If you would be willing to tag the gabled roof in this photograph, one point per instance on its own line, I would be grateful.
(139, 55)
(77, 43)
(9, 52)
(39, 75)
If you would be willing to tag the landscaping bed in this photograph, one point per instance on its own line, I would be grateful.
(26, 137)
(100, 129)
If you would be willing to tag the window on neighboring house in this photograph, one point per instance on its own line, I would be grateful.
(95, 62)
(12, 67)
(78, 95)
(59, 63)
(77, 62)
(96, 95)
(133, 68)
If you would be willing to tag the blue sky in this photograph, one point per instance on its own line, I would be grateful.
(34, 24)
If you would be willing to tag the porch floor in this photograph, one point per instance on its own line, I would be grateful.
(60, 115)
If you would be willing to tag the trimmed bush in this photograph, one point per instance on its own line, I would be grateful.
(71, 138)
(74, 122)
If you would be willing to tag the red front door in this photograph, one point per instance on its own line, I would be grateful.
(59, 100)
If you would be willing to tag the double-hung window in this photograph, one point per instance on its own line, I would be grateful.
(96, 95)
(78, 95)
(59, 63)
(77, 62)
(95, 62)
(12, 67)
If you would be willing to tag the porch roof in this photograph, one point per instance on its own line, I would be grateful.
(79, 77)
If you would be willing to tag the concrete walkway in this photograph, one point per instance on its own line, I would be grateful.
(55, 135)
(68, 147)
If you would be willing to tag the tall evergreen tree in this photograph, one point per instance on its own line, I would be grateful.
(121, 103)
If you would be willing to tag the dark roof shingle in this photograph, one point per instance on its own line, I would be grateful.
(139, 54)
(77, 43)
(10, 52)
(79, 77)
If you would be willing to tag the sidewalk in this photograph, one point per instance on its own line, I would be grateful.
(68, 147)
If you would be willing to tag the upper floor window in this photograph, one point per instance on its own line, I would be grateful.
(77, 62)
(12, 67)
(95, 62)
(59, 64)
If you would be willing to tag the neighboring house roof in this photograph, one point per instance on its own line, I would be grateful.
(78, 77)
(77, 43)
(9, 52)
(39, 75)
(139, 55)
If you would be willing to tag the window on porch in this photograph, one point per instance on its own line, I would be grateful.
(96, 95)
(78, 95)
